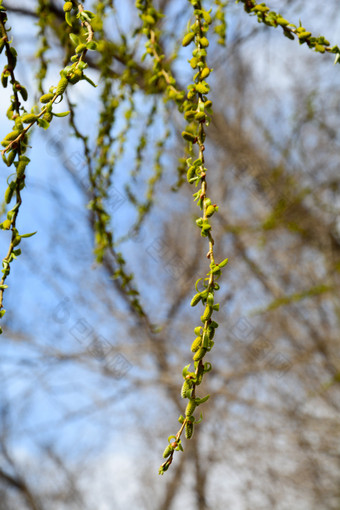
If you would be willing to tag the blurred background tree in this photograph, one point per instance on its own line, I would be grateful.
(90, 383)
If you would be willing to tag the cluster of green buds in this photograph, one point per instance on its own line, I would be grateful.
(161, 74)
(7, 73)
(11, 56)
(71, 74)
(16, 181)
(149, 15)
(191, 380)
(221, 27)
(197, 108)
(264, 15)
(44, 16)
(15, 143)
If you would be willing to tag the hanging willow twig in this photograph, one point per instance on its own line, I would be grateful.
(15, 143)
(274, 19)
(197, 111)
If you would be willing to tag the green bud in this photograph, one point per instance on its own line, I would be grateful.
(304, 35)
(46, 98)
(190, 114)
(202, 88)
(67, 6)
(21, 169)
(189, 137)
(198, 330)
(9, 193)
(260, 8)
(4, 80)
(24, 93)
(16, 240)
(196, 299)
(204, 42)
(207, 313)
(207, 17)
(168, 450)
(12, 135)
(210, 299)
(199, 354)
(281, 21)
(188, 38)
(61, 86)
(28, 118)
(189, 430)
(150, 20)
(200, 116)
(205, 72)
(191, 173)
(210, 211)
(185, 388)
(320, 48)
(191, 406)
(196, 344)
(6, 224)
(10, 158)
